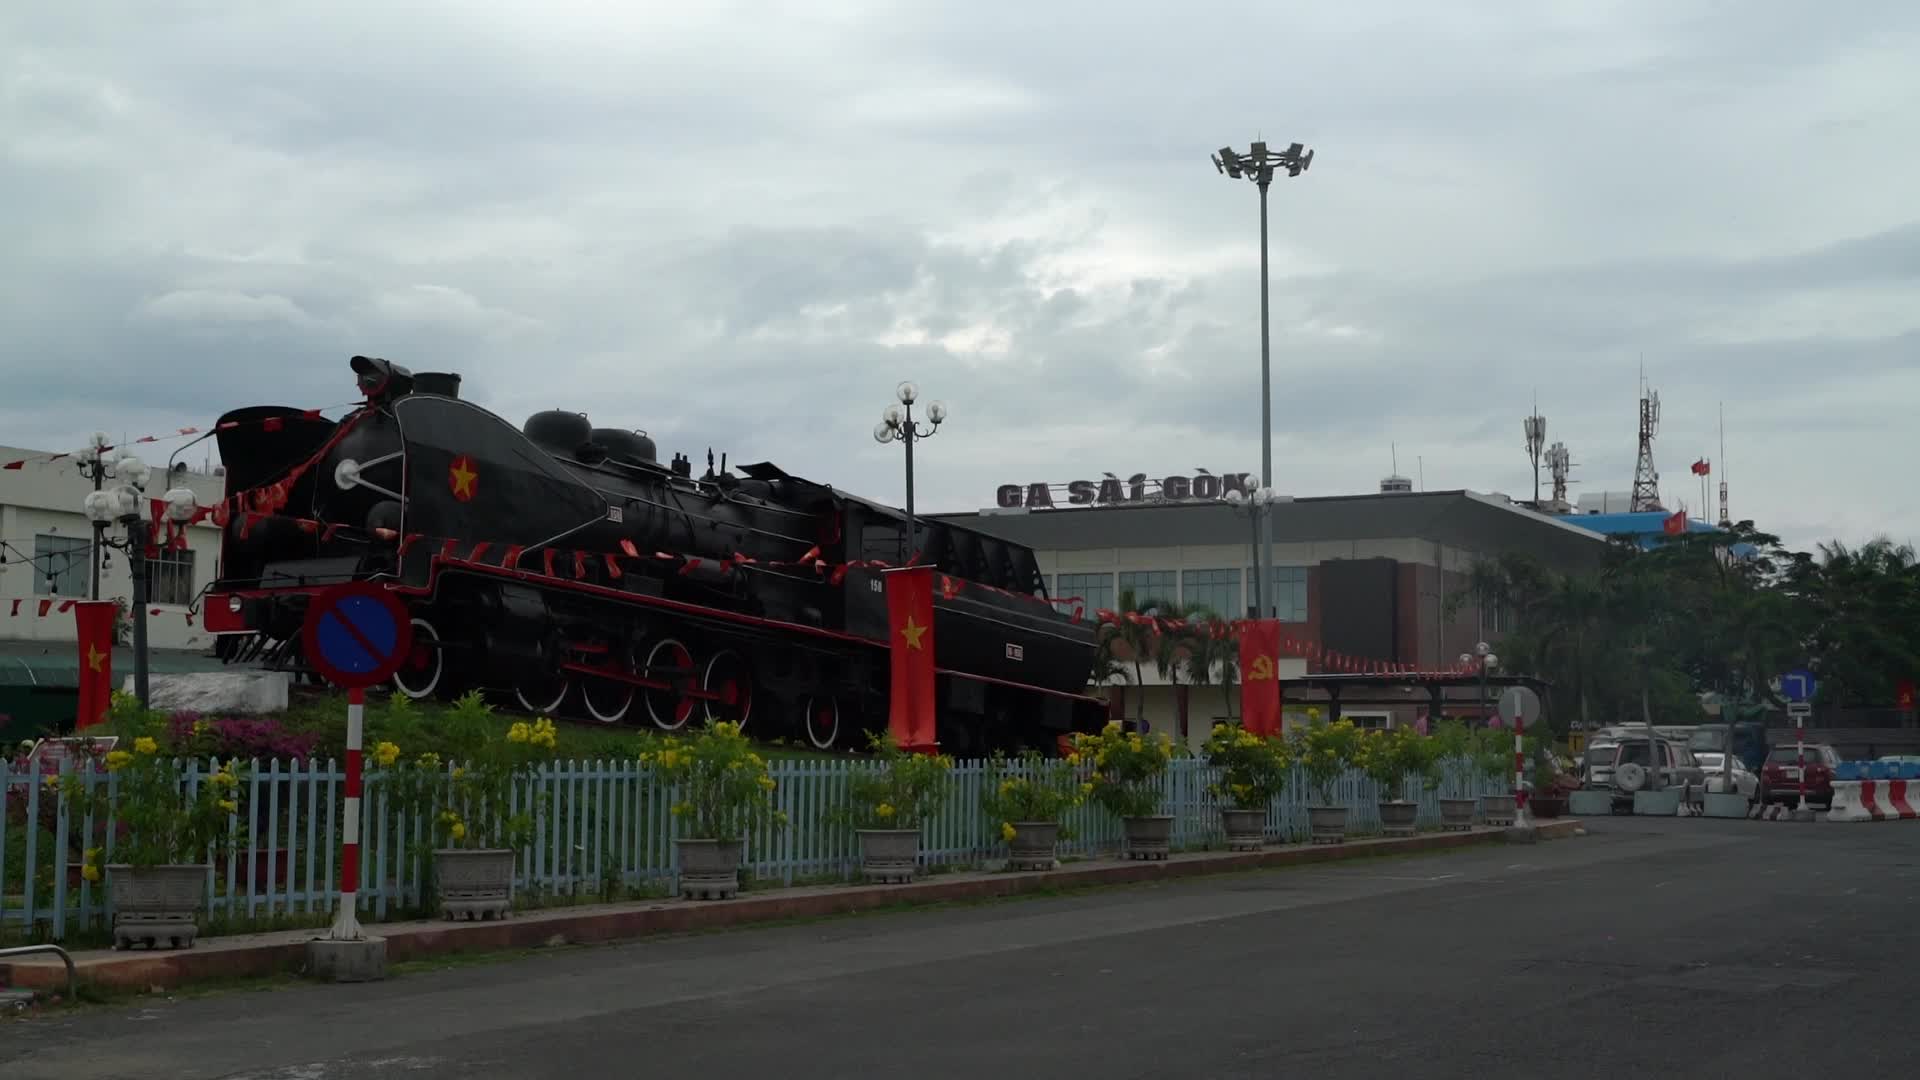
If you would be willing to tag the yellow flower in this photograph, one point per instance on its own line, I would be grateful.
(229, 805)
(145, 745)
(1007, 831)
(90, 872)
(386, 753)
(459, 830)
(1073, 758)
(884, 810)
(766, 783)
(429, 760)
(225, 778)
(118, 760)
(669, 759)
(1086, 789)
(757, 760)
(52, 782)
(519, 732)
(459, 771)
(199, 727)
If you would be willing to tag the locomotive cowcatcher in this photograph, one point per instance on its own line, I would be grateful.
(562, 566)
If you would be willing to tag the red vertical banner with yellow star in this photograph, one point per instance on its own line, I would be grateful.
(94, 621)
(1260, 676)
(910, 640)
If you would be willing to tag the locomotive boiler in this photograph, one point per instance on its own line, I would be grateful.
(562, 565)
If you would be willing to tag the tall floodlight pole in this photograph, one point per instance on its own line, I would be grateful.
(898, 424)
(1258, 165)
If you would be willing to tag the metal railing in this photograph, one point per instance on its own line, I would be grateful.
(601, 824)
(29, 950)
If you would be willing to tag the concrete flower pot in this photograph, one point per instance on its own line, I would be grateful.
(889, 856)
(1032, 846)
(156, 903)
(1327, 824)
(1662, 803)
(1591, 802)
(1148, 837)
(1397, 817)
(1722, 804)
(709, 869)
(476, 884)
(1497, 810)
(1246, 829)
(1456, 815)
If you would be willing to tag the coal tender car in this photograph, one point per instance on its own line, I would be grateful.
(564, 567)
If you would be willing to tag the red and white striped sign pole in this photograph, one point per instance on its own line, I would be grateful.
(1519, 766)
(346, 921)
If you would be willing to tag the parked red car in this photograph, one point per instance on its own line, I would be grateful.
(1780, 776)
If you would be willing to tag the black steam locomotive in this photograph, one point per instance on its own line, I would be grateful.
(563, 565)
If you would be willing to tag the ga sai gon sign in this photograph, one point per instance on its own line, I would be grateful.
(1137, 488)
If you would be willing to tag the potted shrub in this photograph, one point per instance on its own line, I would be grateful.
(1325, 752)
(1452, 748)
(474, 851)
(165, 841)
(1549, 798)
(888, 803)
(1126, 779)
(724, 791)
(1388, 758)
(1493, 762)
(1253, 772)
(1027, 799)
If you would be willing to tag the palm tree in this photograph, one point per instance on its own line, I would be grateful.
(1213, 646)
(1131, 637)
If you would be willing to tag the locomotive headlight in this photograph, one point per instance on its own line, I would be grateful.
(882, 432)
(909, 393)
(234, 604)
(346, 474)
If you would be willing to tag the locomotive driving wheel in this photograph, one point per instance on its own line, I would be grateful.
(608, 700)
(420, 673)
(728, 679)
(670, 662)
(542, 692)
(820, 716)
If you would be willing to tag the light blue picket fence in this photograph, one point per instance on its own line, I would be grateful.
(601, 823)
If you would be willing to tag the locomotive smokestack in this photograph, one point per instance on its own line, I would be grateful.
(440, 383)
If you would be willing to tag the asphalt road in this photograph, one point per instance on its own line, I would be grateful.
(1687, 948)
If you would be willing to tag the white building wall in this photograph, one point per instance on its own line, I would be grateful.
(44, 499)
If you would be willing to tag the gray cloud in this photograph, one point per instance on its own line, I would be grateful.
(739, 228)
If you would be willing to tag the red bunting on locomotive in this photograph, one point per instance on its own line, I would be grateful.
(563, 566)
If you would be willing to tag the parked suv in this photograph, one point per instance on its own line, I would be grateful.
(1780, 777)
(1627, 769)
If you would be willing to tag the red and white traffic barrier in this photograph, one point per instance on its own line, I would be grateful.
(1875, 800)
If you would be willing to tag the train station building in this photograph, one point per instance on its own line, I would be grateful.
(1370, 576)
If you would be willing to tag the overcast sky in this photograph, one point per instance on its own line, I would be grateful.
(738, 225)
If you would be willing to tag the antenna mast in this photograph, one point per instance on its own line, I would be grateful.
(1726, 521)
(1559, 464)
(1646, 479)
(1536, 428)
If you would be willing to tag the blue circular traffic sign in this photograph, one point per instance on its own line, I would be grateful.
(357, 634)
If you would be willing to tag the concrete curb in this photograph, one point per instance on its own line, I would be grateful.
(246, 955)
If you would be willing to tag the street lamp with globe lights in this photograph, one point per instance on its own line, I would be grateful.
(122, 505)
(1254, 503)
(898, 425)
(1485, 658)
(99, 462)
